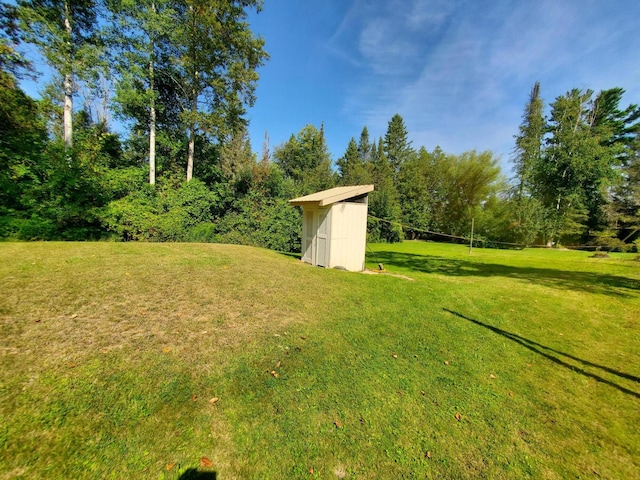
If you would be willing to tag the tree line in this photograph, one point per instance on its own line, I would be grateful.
(181, 74)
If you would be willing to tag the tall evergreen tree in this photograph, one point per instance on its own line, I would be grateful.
(384, 202)
(397, 146)
(528, 151)
(364, 146)
(526, 210)
(619, 130)
(348, 163)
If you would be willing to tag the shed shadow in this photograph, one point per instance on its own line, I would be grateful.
(195, 474)
(554, 355)
(591, 282)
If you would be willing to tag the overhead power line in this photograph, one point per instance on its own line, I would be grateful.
(467, 239)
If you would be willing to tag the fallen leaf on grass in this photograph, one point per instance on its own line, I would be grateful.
(213, 400)
(166, 349)
(170, 465)
(492, 375)
(278, 364)
(458, 416)
(206, 462)
(75, 315)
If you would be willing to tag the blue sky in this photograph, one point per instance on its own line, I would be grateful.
(458, 71)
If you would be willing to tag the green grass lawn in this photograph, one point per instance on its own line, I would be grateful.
(176, 361)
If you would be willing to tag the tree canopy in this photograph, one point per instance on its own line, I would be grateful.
(180, 74)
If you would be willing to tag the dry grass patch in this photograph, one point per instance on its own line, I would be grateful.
(140, 328)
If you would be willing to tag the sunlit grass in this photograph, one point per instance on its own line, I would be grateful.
(502, 364)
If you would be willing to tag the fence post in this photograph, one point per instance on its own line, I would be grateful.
(473, 221)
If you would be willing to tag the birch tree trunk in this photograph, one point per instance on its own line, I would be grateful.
(67, 115)
(192, 138)
(152, 106)
(152, 136)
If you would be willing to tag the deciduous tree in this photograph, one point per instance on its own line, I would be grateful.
(64, 31)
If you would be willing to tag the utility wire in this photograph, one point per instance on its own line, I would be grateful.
(466, 239)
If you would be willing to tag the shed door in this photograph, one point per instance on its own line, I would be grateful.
(322, 239)
(309, 228)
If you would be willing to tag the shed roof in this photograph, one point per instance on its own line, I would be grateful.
(333, 195)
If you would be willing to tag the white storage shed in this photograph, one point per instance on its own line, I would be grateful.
(334, 227)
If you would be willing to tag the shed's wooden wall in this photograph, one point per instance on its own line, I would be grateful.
(348, 233)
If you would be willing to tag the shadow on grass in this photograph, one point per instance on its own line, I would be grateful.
(291, 254)
(553, 355)
(195, 474)
(587, 281)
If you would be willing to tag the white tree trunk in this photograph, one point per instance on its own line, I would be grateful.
(192, 148)
(67, 115)
(152, 129)
(68, 111)
(152, 144)
(152, 109)
(192, 136)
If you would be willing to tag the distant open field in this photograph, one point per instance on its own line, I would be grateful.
(176, 361)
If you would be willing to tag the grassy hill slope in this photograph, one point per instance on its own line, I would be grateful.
(173, 360)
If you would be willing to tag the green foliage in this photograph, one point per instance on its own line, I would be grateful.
(529, 142)
(354, 167)
(397, 146)
(164, 213)
(22, 140)
(259, 213)
(263, 222)
(305, 159)
(421, 187)
(578, 179)
(384, 203)
(64, 32)
(63, 193)
(471, 179)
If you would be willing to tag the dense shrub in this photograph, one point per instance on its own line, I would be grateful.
(167, 212)
(264, 222)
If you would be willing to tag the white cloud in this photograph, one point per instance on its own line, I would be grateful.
(460, 72)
